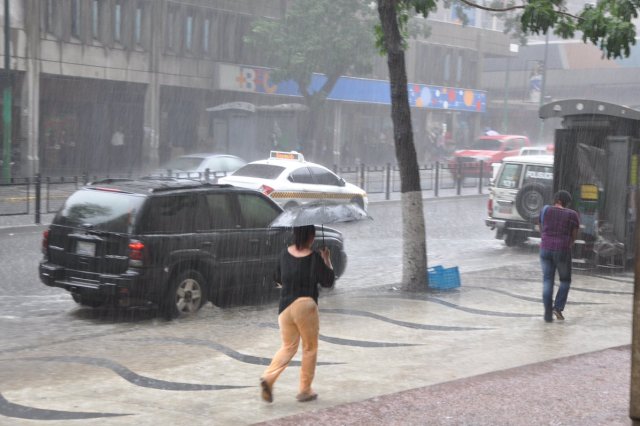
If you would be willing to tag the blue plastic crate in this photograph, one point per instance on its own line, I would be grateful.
(443, 278)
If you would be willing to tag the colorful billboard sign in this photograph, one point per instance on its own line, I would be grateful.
(351, 89)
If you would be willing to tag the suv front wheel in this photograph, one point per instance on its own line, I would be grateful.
(185, 295)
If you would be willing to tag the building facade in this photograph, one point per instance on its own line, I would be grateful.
(112, 86)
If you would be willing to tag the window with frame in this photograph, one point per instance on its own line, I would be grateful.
(170, 34)
(138, 24)
(447, 67)
(50, 16)
(301, 175)
(510, 176)
(76, 19)
(95, 19)
(188, 31)
(206, 35)
(538, 174)
(459, 64)
(117, 21)
(221, 212)
(325, 177)
(256, 211)
(228, 37)
(173, 214)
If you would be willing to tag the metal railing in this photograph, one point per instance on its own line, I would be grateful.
(41, 195)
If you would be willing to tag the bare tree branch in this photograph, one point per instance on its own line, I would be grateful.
(512, 8)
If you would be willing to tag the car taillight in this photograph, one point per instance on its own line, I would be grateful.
(266, 190)
(490, 206)
(136, 253)
(45, 242)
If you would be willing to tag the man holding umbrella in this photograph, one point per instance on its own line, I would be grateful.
(299, 271)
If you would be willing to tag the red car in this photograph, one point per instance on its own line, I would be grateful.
(488, 149)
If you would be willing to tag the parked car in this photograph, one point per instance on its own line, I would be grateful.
(523, 185)
(174, 243)
(488, 150)
(291, 181)
(194, 166)
(536, 150)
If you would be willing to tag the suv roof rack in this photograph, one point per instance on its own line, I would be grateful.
(111, 180)
(185, 184)
(150, 185)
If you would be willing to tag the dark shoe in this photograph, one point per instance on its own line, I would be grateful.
(558, 314)
(306, 397)
(547, 316)
(266, 391)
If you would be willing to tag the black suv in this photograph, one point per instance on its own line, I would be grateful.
(175, 244)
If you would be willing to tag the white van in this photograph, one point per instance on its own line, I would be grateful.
(522, 186)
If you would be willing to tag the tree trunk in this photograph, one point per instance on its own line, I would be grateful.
(414, 266)
(313, 139)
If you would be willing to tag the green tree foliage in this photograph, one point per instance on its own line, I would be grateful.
(332, 37)
(606, 24)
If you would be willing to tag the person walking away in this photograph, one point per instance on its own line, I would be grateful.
(559, 229)
(299, 272)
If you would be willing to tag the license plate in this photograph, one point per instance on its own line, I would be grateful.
(85, 248)
(505, 209)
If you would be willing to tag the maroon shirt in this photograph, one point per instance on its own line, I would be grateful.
(557, 227)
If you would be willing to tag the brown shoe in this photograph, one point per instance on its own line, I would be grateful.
(306, 397)
(267, 395)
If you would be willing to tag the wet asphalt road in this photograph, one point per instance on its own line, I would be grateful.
(33, 315)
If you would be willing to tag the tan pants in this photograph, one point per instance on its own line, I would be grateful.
(300, 319)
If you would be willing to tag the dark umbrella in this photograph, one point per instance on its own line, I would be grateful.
(319, 214)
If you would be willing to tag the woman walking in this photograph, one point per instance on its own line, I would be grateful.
(299, 272)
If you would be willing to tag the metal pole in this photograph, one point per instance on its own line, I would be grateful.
(544, 84)
(505, 111)
(6, 96)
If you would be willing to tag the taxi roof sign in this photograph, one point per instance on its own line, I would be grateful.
(284, 155)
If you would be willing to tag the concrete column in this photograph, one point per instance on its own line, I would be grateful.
(150, 158)
(31, 96)
(31, 114)
(476, 128)
(337, 134)
(151, 125)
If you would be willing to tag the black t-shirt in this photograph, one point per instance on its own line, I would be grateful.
(300, 277)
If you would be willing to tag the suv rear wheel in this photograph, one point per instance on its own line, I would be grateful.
(530, 200)
(512, 239)
(185, 296)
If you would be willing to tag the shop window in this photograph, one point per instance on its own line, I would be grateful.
(76, 19)
(117, 22)
(459, 68)
(95, 19)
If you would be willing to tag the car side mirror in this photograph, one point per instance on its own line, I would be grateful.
(341, 182)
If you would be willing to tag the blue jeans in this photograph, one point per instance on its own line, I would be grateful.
(552, 260)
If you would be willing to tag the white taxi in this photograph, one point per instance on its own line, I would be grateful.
(291, 181)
